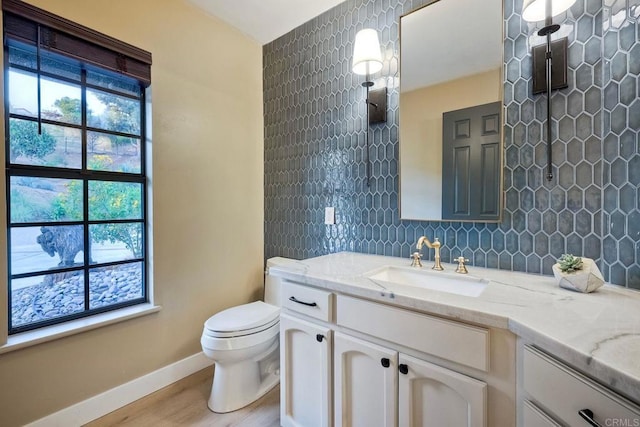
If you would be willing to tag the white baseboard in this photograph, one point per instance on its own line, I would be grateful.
(104, 403)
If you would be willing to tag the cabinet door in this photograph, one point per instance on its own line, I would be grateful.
(430, 395)
(365, 383)
(305, 373)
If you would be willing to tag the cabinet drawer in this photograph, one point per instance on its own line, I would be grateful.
(534, 417)
(312, 302)
(563, 392)
(457, 342)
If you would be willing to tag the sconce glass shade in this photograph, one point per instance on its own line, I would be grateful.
(367, 57)
(535, 10)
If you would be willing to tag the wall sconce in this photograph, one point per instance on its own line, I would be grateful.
(367, 60)
(554, 73)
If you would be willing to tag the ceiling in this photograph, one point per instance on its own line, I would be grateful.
(446, 40)
(265, 20)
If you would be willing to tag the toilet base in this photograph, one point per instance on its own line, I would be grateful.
(236, 385)
(222, 405)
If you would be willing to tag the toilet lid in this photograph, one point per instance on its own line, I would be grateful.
(245, 318)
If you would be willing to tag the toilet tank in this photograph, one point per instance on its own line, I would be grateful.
(272, 283)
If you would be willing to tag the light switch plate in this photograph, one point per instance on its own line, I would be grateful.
(329, 215)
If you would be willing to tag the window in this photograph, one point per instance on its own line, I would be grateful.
(75, 162)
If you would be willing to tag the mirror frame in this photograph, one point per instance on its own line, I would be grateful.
(502, 189)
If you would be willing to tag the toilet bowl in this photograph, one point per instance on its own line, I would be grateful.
(243, 342)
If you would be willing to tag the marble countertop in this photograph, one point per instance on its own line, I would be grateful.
(597, 333)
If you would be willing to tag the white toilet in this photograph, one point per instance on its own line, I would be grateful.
(243, 343)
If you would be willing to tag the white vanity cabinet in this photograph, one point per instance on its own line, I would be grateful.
(427, 394)
(554, 394)
(305, 357)
(379, 365)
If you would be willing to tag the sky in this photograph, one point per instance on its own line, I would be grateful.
(23, 93)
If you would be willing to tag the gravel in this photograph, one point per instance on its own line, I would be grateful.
(62, 294)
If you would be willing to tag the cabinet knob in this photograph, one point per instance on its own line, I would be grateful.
(587, 415)
(385, 362)
(319, 337)
(404, 369)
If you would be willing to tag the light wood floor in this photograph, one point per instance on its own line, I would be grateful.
(184, 403)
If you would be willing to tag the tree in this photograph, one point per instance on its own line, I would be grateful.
(117, 200)
(71, 111)
(130, 234)
(120, 115)
(108, 200)
(70, 108)
(92, 141)
(25, 140)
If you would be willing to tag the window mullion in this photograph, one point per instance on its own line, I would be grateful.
(71, 80)
(85, 187)
(38, 67)
(8, 314)
(73, 125)
(145, 211)
(83, 122)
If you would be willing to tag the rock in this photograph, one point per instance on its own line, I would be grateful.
(63, 293)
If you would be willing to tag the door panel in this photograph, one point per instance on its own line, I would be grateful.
(365, 382)
(462, 184)
(432, 396)
(490, 176)
(305, 380)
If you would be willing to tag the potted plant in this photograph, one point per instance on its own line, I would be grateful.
(577, 274)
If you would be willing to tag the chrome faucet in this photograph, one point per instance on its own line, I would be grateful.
(435, 246)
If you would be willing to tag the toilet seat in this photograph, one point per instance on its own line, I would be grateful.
(242, 320)
(239, 342)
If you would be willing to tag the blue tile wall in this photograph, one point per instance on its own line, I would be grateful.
(314, 114)
(562, 215)
(621, 149)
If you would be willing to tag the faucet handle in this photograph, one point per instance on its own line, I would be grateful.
(462, 268)
(415, 259)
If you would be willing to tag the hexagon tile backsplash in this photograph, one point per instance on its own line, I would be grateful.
(315, 138)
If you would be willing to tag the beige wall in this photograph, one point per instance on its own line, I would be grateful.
(421, 137)
(208, 204)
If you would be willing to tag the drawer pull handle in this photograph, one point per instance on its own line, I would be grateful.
(404, 369)
(308, 304)
(385, 362)
(319, 337)
(587, 415)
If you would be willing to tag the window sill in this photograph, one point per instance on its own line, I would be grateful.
(50, 333)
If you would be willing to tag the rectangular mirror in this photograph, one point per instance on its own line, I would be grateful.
(451, 111)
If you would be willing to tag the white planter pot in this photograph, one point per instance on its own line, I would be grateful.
(587, 279)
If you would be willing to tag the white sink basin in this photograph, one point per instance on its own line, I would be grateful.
(425, 278)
